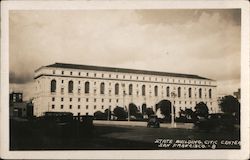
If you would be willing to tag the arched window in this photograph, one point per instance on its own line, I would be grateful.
(210, 93)
(116, 89)
(168, 91)
(179, 91)
(102, 88)
(156, 90)
(143, 90)
(130, 89)
(190, 92)
(53, 86)
(86, 87)
(200, 93)
(70, 87)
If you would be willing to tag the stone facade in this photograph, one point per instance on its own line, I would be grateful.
(82, 89)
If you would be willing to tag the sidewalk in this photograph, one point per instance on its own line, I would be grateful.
(143, 124)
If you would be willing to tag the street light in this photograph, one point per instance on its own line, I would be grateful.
(124, 94)
(173, 95)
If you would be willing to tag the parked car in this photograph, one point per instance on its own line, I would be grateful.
(153, 122)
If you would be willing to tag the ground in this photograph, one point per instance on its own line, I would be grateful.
(103, 137)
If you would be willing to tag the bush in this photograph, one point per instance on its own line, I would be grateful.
(98, 115)
(120, 113)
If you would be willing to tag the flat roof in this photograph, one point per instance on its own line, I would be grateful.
(123, 70)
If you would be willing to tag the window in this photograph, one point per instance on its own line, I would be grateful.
(79, 73)
(102, 88)
(130, 88)
(200, 93)
(143, 90)
(53, 106)
(54, 72)
(53, 86)
(210, 93)
(53, 98)
(102, 107)
(110, 100)
(62, 99)
(87, 74)
(116, 89)
(62, 90)
(87, 107)
(109, 75)
(94, 106)
(189, 92)
(156, 90)
(102, 100)
(62, 72)
(95, 75)
(79, 99)
(87, 99)
(62, 81)
(61, 106)
(179, 91)
(70, 99)
(102, 75)
(94, 99)
(168, 91)
(79, 82)
(70, 87)
(86, 87)
(71, 73)
(79, 90)
(117, 100)
(70, 106)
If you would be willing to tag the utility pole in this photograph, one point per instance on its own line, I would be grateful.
(173, 95)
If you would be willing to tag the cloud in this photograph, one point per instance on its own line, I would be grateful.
(202, 42)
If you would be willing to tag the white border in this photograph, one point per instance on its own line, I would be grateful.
(243, 153)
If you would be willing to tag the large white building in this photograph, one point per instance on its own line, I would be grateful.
(83, 89)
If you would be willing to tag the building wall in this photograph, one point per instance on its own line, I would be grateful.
(83, 103)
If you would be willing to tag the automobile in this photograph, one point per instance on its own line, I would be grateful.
(153, 122)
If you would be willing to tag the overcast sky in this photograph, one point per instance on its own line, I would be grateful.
(202, 42)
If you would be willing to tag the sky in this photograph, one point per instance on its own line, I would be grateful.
(204, 42)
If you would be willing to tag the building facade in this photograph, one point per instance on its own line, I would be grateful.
(18, 107)
(83, 89)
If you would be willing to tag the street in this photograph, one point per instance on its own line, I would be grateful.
(103, 137)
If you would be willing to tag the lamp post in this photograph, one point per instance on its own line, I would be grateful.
(108, 112)
(124, 94)
(173, 95)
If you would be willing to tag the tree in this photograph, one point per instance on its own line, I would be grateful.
(201, 109)
(144, 107)
(107, 113)
(165, 108)
(133, 110)
(99, 115)
(149, 111)
(230, 104)
(120, 113)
